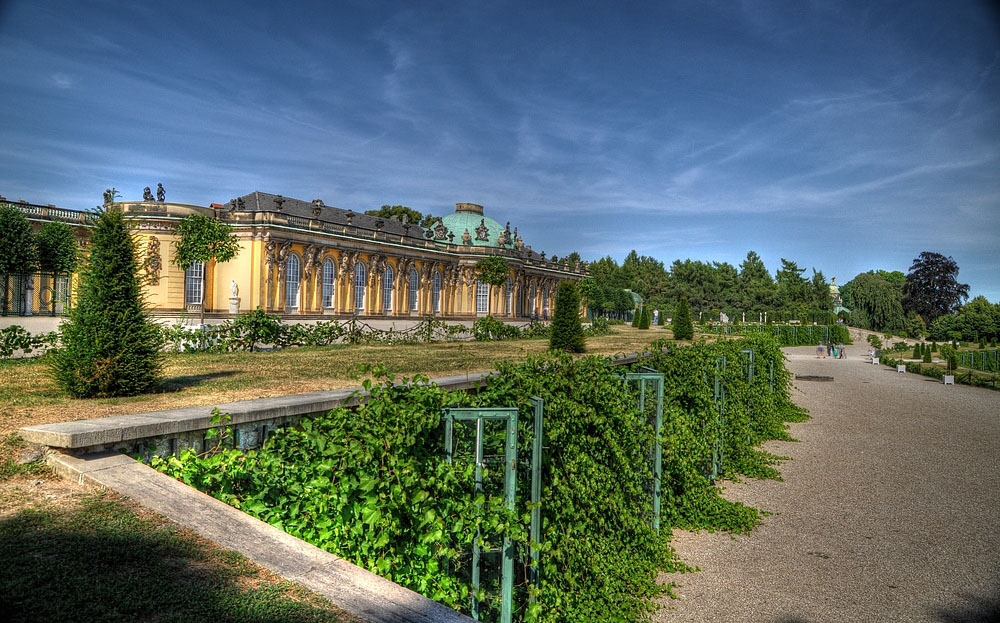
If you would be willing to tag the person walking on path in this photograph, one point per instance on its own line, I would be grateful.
(841, 354)
(819, 352)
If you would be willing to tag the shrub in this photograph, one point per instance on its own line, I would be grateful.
(110, 347)
(682, 324)
(567, 332)
(645, 317)
(488, 329)
(917, 352)
(934, 347)
(926, 355)
(875, 341)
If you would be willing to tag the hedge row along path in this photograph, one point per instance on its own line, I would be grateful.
(890, 510)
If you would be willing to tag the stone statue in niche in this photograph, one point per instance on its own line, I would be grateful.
(234, 289)
(147, 195)
(160, 193)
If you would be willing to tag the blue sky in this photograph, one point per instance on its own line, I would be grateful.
(844, 136)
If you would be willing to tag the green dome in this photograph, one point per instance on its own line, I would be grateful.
(469, 216)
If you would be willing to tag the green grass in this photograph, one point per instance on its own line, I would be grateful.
(103, 561)
(28, 394)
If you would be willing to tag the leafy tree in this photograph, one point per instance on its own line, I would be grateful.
(979, 319)
(399, 211)
(682, 325)
(572, 258)
(110, 347)
(932, 288)
(57, 248)
(567, 332)
(915, 325)
(18, 253)
(876, 304)
(203, 239)
(493, 270)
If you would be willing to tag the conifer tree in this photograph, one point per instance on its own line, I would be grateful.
(682, 324)
(567, 332)
(636, 313)
(916, 351)
(927, 355)
(110, 347)
(645, 317)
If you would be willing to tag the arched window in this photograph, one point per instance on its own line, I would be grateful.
(437, 292)
(509, 296)
(482, 298)
(329, 281)
(194, 283)
(387, 278)
(293, 274)
(414, 286)
(360, 281)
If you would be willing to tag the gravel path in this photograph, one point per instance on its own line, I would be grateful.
(889, 510)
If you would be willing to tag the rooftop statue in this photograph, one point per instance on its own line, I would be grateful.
(160, 193)
(147, 195)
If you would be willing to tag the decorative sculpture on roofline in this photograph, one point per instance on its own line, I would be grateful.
(466, 237)
(482, 232)
(160, 193)
(147, 195)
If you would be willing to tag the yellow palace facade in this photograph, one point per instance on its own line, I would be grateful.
(306, 260)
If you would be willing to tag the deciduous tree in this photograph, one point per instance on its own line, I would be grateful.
(932, 288)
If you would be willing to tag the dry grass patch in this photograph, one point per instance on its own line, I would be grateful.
(28, 395)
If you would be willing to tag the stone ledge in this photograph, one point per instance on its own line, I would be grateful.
(125, 428)
(350, 587)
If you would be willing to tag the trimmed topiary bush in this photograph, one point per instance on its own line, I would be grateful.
(110, 347)
(927, 355)
(682, 324)
(567, 332)
(645, 317)
(917, 352)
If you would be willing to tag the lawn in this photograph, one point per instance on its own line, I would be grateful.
(28, 395)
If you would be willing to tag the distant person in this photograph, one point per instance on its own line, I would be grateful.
(842, 353)
(829, 349)
(819, 352)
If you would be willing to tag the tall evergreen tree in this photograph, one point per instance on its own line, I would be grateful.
(682, 325)
(110, 347)
(567, 332)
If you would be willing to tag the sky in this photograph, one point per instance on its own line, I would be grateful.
(846, 136)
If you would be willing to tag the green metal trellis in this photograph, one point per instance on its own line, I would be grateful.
(648, 375)
(480, 417)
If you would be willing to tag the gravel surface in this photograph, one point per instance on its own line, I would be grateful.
(889, 510)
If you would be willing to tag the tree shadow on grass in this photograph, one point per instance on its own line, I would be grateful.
(101, 562)
(179, 383)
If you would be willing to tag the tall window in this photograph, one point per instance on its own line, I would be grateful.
(531, 300)
(482, 298)
(387, 278)
(329, 280)
(61, 293)
(194, 283)
(414, 286)
(293, 274)
(437, 292)
(545, 302)
(509, 296)
(360, 281)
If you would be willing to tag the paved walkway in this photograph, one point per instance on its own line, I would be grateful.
(890, 510)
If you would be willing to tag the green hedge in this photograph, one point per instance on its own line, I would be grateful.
(372, 485)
